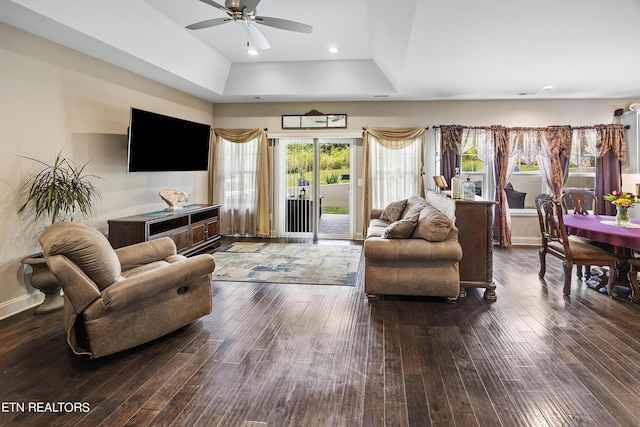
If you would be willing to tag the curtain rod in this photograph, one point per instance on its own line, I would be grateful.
(364, 128)
(625, 126)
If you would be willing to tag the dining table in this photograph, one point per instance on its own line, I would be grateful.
(624, 239)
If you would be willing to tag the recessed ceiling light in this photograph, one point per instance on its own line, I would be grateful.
(547, 87)
(333, 49)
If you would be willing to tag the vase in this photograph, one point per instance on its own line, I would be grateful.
(622, 216)
(42, 279)
(456, 186)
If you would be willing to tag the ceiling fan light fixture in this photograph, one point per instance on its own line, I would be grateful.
(251, 50)
(244, 12)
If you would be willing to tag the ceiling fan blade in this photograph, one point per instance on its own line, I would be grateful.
(208, 23)
(256, 37)
(217, 6)
(284, 24)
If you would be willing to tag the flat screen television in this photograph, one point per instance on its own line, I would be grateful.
(159, 143)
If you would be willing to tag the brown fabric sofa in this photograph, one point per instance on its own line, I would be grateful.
(420, 259)
(117, 299)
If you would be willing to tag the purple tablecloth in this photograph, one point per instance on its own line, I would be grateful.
(592, 227)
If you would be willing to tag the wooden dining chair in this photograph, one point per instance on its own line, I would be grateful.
(581, 200)
(556, 242)
(634, 263)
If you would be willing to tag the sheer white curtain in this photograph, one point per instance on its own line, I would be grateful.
(396, 170)
(583, 142)
(529, 144)
(525, 146)
(482, 140)
(238, 165)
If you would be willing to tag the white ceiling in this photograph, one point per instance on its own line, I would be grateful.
(397, 50)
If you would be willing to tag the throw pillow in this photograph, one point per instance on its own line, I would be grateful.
(415, 204)
(394, 211)
(433, 225)
(401, 229)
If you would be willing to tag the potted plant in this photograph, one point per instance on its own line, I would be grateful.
(58, 191)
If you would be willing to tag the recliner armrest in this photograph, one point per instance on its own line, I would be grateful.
(134, 290)
(145, 252)
(78, 287)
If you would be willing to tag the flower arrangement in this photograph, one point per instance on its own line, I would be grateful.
(622, 198)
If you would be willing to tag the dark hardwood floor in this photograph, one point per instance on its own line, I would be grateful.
(294, 355)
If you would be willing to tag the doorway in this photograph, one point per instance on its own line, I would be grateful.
(316, 184)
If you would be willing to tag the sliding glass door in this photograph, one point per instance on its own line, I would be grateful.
(335, 188)
(316, 189)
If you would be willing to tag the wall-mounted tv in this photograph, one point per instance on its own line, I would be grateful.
(159, 143)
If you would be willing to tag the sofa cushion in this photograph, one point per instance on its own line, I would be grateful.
(376, 228)
(415, 204)
(393, 211)
(86, 247)
(433, 225)
(401, 229)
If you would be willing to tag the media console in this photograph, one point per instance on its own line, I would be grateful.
(193, 228)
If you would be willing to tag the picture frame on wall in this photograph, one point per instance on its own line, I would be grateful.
(314, 120)
(337, 121)
(291, 122)
(309, 122)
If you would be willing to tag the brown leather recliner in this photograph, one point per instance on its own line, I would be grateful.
(117, 299)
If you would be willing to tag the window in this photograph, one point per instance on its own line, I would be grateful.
(527, 179)
(396, 170)
(238, 165)
(582, 164)
(240, 171)
(477, 159)
(475, 170)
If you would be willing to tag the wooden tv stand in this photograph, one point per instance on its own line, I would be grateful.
(194, 228)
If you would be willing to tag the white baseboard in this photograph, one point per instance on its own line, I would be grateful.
(20, 304)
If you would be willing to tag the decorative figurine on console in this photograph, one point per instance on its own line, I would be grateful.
(173, 197)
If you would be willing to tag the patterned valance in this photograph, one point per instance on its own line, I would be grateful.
(549, 141)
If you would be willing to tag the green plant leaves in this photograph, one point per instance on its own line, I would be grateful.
(59, 190)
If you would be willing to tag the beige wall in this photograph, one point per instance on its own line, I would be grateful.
(525, 112)
(53, 98)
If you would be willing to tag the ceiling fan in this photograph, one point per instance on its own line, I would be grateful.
(244, 12)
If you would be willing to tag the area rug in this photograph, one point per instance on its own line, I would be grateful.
(288, 263)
